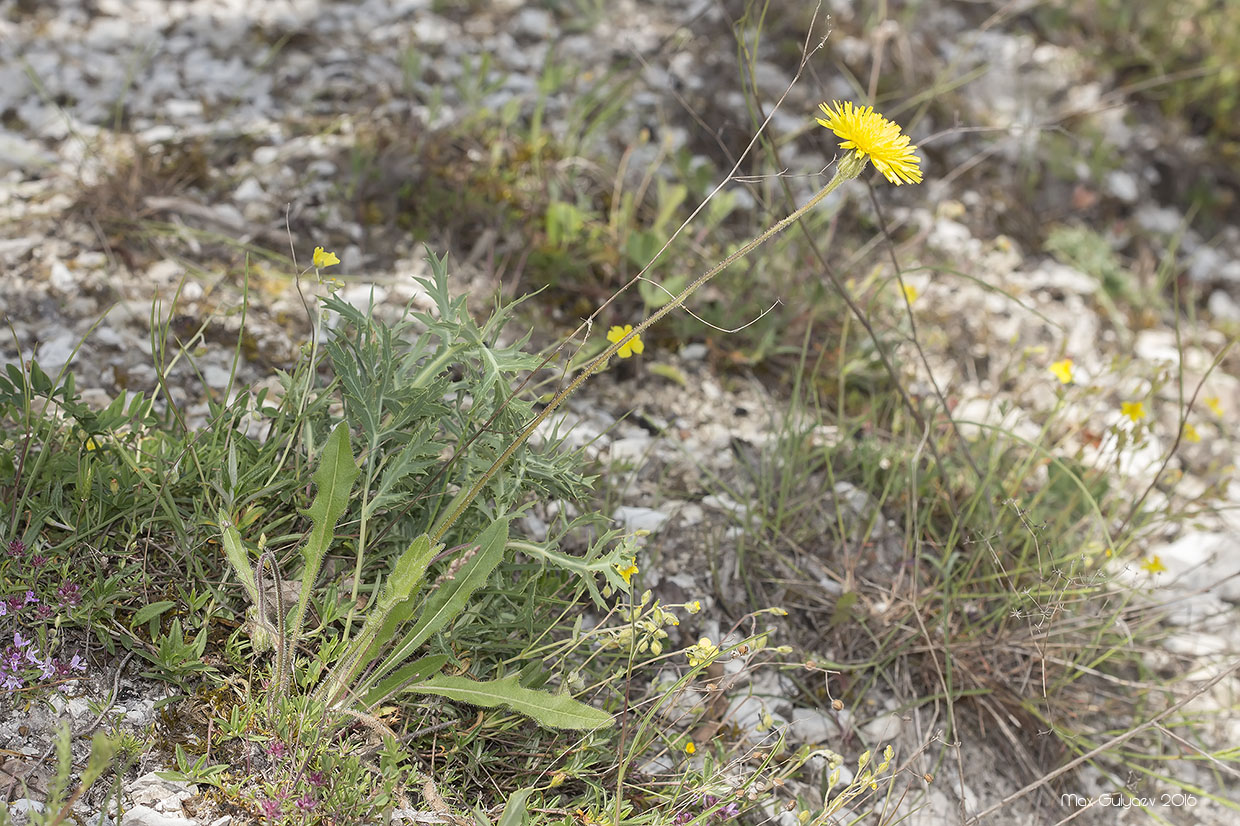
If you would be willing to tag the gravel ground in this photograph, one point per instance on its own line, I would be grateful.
(229, 101)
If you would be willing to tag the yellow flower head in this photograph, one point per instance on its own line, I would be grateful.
(627, 572)
(1191, 434)
(1133, 410)
(322, 259)
(1062, 370)
(633, 345)
(1216, 408)
(910, 293)
(873, 137)
(690, 748)
(1153, 565)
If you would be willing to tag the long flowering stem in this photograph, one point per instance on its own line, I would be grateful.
(848, 168)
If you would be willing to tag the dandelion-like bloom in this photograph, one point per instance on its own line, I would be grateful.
(1133, 410)
(323, 259)
(633, 345)
(1062, 370)
(874, 138)
(1153, 565)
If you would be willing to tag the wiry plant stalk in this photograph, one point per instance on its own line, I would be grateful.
(847, 168)
(264, 625)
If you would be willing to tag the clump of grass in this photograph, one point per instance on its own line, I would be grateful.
(977, 574)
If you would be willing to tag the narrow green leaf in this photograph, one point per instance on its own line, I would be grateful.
(39, 381)
(450, 599)
(333, 479)
(515, 813)
(237, 557)
(409, 571)
(376, 632)
(149, 612)
(445, 603)
(551, 710)
(396, 682)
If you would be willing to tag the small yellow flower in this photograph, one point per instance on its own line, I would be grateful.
(1133, 410)
(1062, 370)
(1216, 408)
(690, 748)
(704, 652)
(633, 345)
(628, 572)
(910, 293)
(873, 137)
(1153, 565)
(694, 607)
(1191, 434)
(323, 259)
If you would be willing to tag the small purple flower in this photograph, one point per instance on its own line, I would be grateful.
(270, 807)
(77, 663)
(37, 561)
(31, 599)
(306, 802)
(19, 640)
(17, 547)
(15, 604)
(316, 779)
(44, 611)
(47, 668)
(4, 608)
(276, 748)
(69, 593)
(11, 681)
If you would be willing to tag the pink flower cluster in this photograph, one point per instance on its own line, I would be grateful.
(22, 657)
(21, 662)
